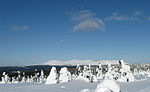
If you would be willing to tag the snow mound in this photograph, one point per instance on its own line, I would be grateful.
(82, 78)
(85, 90)
(62, 87)
(108, 86)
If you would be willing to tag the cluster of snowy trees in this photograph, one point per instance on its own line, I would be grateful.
(64, 76)
(22, 78)
(142, 70)
(122, 73)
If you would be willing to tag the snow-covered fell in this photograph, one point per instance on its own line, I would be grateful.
(81, 62)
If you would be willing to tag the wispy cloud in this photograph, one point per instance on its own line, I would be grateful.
(149, 18)
(89, 25)
(60, 41)
(6, 39)
(85, 20)
(81, 15)
(137, 13)
(19, 28)
(115, 16)
(136, 16)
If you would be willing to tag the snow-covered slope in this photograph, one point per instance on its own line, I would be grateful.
(81, 62)
(73, 86)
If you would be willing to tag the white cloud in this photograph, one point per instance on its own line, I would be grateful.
(136, 16)
(137, 13)
(81, 15)
(90, 25)
(86, 21)
(149, 18)
(117, 17)
(19, 28)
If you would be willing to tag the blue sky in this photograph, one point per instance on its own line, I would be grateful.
(35, 31)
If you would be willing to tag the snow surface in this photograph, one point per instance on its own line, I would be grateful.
(82, 81)
(81, 62)
(74, 86)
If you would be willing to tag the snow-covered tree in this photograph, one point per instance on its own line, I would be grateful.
(65, 75)
(109, 74)
(84, 74)
(42, 77)
(52, 77)
(36, 76)
(135, 71)
(94, 79)
(32, 78)
(13, 80)
(99, 73)
(18, 79)
(112, 73)
(23, 78)
(125, 72)
(148, 74)
(29, 79)
(78, 70)
(88, 75)
(5, 78)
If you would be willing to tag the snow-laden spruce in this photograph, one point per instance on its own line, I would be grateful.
(23, 78)
(112, 73)
(109, 74)
(18, 79)
(52, 77)
(126, 74)
(42, 77)
(65, 75)
(87, 72)
(5, 78)
(87, 75)
(99, 74)
(108, 86)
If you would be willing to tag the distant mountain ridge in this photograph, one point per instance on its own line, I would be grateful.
(81, 62)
